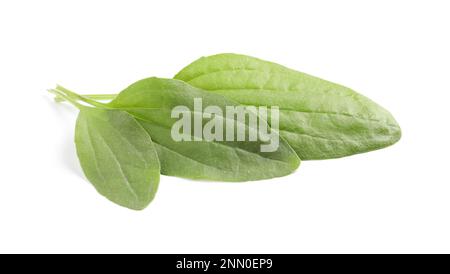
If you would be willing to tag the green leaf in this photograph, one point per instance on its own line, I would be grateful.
(117, 156)
(319, 119)
(151, 102)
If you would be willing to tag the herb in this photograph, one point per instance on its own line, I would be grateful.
(123, 145)
(319, 119)
(116, 154)
(151, 101)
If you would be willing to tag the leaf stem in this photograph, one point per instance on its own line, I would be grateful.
(59, 94)
(75, 96)
(91, 96)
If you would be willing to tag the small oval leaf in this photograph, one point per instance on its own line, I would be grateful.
(117, 156)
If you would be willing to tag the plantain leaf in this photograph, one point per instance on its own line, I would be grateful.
(117, 156)
(319, 119)
(151, 102)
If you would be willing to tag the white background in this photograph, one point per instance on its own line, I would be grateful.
(392, 200)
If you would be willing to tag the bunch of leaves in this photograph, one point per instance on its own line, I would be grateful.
(124, 145)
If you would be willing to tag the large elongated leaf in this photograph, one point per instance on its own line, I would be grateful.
(117, 156)
(319, 119)
(151, 102)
